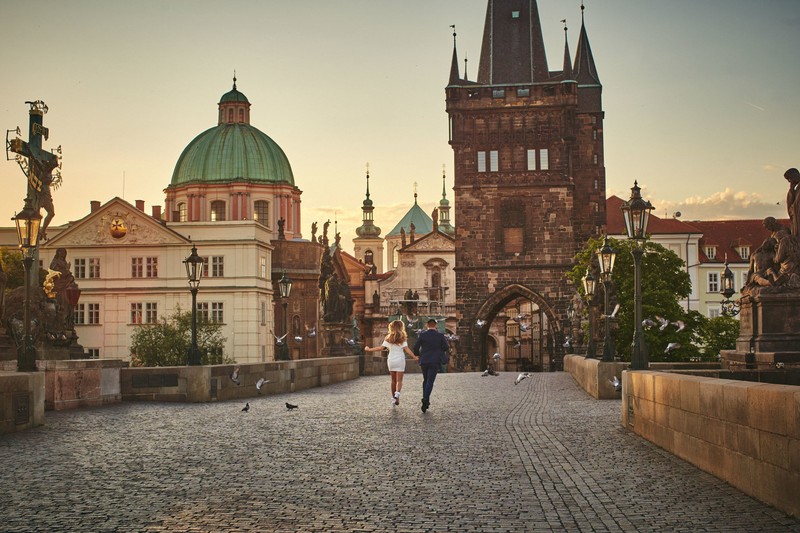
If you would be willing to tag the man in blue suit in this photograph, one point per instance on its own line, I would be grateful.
(431, 350)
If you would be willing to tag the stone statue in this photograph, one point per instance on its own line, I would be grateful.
(337, 239)
(762, 261)
(412, 229)
(281, 224)
(376, 300)
(776, 263)
(793, 200)
(61, 284)
(325, 227)
(402, 237)
(313, 232)
(435, 219)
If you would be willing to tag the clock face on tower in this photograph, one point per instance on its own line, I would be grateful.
(117, 227)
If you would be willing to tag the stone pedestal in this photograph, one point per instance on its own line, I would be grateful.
(334, 339)
(769, 334)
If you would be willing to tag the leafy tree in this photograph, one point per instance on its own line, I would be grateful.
(167, 342)
(11, 260)
(664, 283)
(717, 334)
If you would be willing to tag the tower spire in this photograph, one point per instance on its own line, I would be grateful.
(454, 77)
(444, 210)
(585, 70)
(567, 59)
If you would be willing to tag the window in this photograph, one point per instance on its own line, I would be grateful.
(217, 266)
(711, 252)
(150, 313)
(595, 185)
(544, 159)
(263, 266)
(493, 161)
(92, 353)
(92, 313)
(202, 311)
(594, 135)
(261, 211)
(521, 92)
(79, 314)
(182, 214)
(152, 267)
(368, 257)
(241, 115)
(481, 161)
(80, 268)
(713, 312)
(515, 14)
(230, 115)
(217, 211)
(217, 312)
(713, 282)
(498, 93)
(395, 256)
(94, 267)
(137, 267)
(531, 159)
(513, 225)
(136, 313)
(744, 252)
(263, 313)
(594, 159)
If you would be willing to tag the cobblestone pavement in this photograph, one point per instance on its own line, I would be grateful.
(489, 456)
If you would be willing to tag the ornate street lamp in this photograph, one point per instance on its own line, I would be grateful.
(606, 257)
(285, 288)
(729, 308)
(194, 271)
(589, 288)
(636, 212)
(28, 221)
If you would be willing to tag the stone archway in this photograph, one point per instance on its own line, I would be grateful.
(543, 349)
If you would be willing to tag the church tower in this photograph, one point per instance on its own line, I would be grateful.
(368, 245)
(529, 181)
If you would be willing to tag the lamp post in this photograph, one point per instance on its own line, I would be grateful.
(194, 271)
(606, 257)
(729, 308)
(571, 320)
(636, 212)
(285, 288)
(27, 222)
(589, 288)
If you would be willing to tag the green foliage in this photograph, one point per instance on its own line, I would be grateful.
(664, 283)
(167, 342)
(11, 260)
(717, 334)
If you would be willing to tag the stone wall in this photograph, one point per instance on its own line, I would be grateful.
(211, 383)
(81, 382)
(21, 401)
(747, 434)
(594, 375)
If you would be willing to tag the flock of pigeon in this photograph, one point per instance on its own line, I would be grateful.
(259, 385)
(662, 324)
(311, 332)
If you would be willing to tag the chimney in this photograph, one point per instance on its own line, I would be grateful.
(94, 205)
(140, 205)
(157, 212)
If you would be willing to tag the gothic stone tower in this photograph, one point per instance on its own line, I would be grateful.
(529, 175)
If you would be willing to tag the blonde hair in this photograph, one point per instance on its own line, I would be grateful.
(397, 332)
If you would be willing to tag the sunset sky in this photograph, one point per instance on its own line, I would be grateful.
(701, 97)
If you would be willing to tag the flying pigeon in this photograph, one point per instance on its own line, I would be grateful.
(351, 342)
(616, 383)
(260, 383)
(568, 342)
(517, 344)
(485, 373)
(246, 407)
(613, 313)
(497, 356)
(450, 337)
(312, 332)
(648, 323)
(279, 340)
(235, 376)
(480, 323)
(524, 327)
(679, 324)
(662, 323)
(521, 317)
(298, 339)
(672, 346)
(520, 377)
(289, 406)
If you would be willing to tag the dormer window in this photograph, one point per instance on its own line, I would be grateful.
(711, 252)
(744, 252)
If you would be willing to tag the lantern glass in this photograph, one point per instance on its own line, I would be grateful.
(194, 268)
(606, 256)
(588, 283)
(285, 286)
(28, 222)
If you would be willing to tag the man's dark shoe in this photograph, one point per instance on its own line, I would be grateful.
(425, 405)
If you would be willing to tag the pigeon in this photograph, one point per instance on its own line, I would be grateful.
(480, 323)
(613, 313)
(279, 340)
(312, 332)
(662, 323)
(289, 406)
(298, 339)
(235, 376)
(485, 373)
(517, 344)
(520, 377)
(497, 356)
(672, 346)
(350, 342)
(451, 338)
(679, 325)
(521, 317)
(524, 327)
(260, 383)
(648, 323)
(616, 383)
(246, 408)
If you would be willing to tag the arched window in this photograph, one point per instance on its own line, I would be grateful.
(217, 210)
(230, 115)
(261, 211)
(182, 215)
(241, 115)
(395, 256)
(368, 257)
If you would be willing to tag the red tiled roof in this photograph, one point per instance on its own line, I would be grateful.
(729, 235)
(615, 224)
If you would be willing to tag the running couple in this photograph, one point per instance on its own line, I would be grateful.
(430, 351)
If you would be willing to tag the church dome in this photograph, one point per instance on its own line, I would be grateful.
(423, 224)
(232, 151)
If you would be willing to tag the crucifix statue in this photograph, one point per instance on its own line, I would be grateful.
(40, 164)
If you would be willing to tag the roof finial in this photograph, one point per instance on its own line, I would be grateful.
(415, 193)
(582, 8)
(454, 33)
(444, 194)
(367, 180)
(465, 66)
(234, 79)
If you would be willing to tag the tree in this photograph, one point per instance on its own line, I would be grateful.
(167, 342)
(718, 333)
(11, 260)
(664, 283)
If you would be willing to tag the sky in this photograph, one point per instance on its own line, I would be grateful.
(701, 97)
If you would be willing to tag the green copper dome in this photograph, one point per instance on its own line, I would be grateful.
(233, 96)
(423, 224)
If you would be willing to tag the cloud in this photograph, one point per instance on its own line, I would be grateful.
(724, 205)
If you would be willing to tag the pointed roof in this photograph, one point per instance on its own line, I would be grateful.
(367, 229)
(454, 77)
(422, 221)
(585, 70)
(513, 47)
(567, 73)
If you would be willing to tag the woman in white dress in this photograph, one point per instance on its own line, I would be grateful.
(396, 343)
